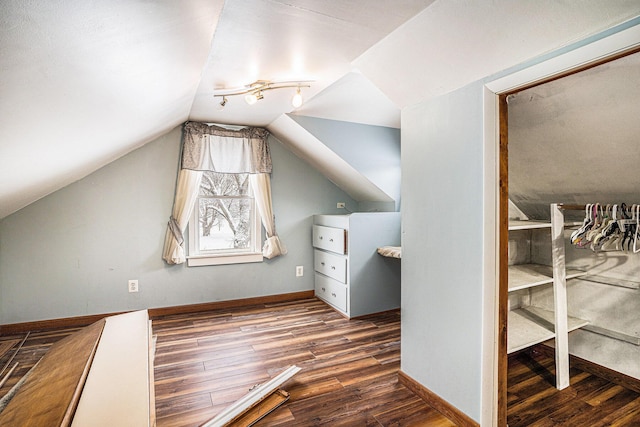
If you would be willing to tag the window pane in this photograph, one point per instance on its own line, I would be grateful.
(224, 184)
(225, 223)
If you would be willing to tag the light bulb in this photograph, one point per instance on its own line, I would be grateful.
(296, 101)
(251, 98)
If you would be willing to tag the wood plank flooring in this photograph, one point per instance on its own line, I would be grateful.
(205, 361)
(590, 401)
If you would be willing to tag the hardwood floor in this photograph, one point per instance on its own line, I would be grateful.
(590, 401)
(349, 370)
(206, 361)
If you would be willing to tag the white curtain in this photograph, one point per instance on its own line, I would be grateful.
(186, 194)
(261, 184)
(212, 148)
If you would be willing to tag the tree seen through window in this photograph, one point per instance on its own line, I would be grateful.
(225, 212)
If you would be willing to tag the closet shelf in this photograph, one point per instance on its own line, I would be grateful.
(523, 276)
(527, 225)
(532, 325)
(612, 281)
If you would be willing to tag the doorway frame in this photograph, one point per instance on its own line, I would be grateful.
(611, 44)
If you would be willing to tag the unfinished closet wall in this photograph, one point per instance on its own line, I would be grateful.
(576, 141)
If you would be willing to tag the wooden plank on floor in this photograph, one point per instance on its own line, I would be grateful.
(8, 374)
(251, 399)
(5, 346)
(50, 394)
(15, 353)
(262, 409)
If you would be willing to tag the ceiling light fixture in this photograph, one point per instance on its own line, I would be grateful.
(296, 101)
(254, 91)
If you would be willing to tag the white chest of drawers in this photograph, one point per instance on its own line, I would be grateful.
(349, 273)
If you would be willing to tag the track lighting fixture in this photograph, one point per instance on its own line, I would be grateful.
(254, 91)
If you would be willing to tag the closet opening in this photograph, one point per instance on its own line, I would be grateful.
(565, 142)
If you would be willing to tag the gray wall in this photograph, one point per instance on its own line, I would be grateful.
(72, 252)
(442, 246)
(374, 151)
(602, 299)
(575, 139)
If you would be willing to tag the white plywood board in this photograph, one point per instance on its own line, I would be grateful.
(116, 392)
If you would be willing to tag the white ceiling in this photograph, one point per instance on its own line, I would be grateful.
(293, 40)
(83, 83)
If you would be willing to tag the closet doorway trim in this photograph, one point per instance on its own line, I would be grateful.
(611, 44)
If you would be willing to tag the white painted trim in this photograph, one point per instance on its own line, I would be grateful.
(595, 51)
(560, 298)
(203, 260)
(251, 398)
(491, 199)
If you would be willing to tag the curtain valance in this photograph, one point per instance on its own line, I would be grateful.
(212, 148)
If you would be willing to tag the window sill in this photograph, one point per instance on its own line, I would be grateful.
(203, 260)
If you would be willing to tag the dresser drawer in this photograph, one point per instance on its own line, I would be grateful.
(330, 238)
(333, 292)
(330, 264)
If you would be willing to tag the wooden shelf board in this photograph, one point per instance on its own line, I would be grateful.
(533, 325)
(527, 225)
(522, 276)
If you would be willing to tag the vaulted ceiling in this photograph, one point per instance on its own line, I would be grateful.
(84, 82)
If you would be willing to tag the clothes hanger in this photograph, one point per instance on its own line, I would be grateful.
(602, 221)
(578, 235)
(628, 227)
(585, 241)
(606, 239)
(636, 231)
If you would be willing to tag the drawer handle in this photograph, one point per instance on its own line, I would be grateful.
(322, 263)
(324, 290)
(333, 267)
(333, 295)
(320, 237)
(331, 240)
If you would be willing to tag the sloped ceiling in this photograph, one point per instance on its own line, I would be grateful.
(318, 155)
(576, 140)
(85, 82)
(455, 42)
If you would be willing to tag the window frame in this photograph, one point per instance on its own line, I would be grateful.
(196, 257)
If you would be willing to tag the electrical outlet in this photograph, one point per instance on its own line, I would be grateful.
(299, 271)
(340, 205)
(133, 286)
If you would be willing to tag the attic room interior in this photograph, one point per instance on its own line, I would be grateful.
(487, 143)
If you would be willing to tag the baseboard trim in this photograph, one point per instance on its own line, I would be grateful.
(445, 408)
(219, 305)
(80, 321)
(593, 368)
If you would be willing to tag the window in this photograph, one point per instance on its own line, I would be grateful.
(224, 227)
